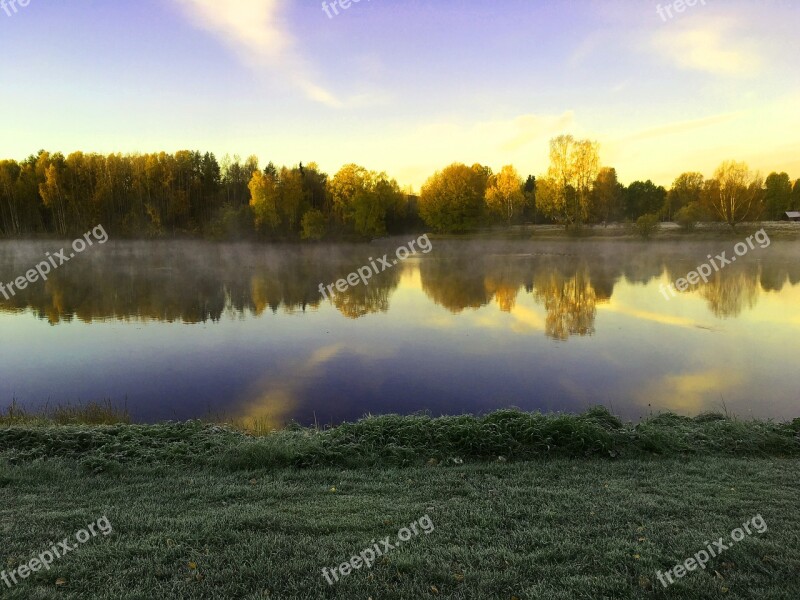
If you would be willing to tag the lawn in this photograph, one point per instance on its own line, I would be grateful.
(200, 512)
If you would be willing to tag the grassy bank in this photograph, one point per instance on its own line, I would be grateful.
(394, 440)
(523, 506)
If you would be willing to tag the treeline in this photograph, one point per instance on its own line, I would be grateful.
(576, 190)
(189, 193)
(193, 194)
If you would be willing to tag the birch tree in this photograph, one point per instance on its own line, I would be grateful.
(737, 193)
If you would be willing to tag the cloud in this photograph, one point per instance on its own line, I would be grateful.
(530, 128)
(662, 152)
(682, 126)
(520, 140)
(720, 49)
(589, 47)
(256, 31)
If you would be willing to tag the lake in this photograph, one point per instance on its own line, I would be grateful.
(182, 329)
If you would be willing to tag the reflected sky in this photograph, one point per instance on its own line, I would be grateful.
(184, 330)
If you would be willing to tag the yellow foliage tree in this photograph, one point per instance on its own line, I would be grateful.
(504, 195)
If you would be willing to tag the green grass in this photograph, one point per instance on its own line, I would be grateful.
(90, 413)
(394, 440)
(523, 505)
(551, 529)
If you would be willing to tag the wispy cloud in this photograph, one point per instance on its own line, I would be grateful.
(519, 140)
(720, 49)
(258, 33)
(682, 126)
(663, 151)
(527, 129)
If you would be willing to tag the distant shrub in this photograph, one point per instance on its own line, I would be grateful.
(688, 216)
(646, 226)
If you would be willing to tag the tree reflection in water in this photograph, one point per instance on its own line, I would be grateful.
(194, 282)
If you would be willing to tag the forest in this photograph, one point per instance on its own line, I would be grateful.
(192, 194)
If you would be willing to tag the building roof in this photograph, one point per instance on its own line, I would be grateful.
(793, 214)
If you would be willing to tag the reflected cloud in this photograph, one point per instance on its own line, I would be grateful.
(276, 399)
(270, 404)
(661, 318)
(527, 320)
(689, 393)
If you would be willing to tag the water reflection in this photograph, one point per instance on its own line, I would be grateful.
(185, 329)
(195, 283)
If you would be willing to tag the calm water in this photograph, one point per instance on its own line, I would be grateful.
(185, 329)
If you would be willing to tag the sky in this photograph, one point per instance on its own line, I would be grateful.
(407, 87)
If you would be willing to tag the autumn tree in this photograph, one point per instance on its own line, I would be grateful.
(372, 207)
(453, 199)
(348, 181)
(314, 225)
(551, 199)
(504, 195)
(365, 200)
(10, 206)
(52, 190)
(265, 200)
(574, 165)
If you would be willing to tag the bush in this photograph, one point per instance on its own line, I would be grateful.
(688, 216)
(646, 225)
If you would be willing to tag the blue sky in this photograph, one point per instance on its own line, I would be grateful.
(407, 87)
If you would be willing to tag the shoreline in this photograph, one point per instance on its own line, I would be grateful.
(394, 440)
(667, 231)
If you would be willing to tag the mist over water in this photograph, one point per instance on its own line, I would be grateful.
(178, 330)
